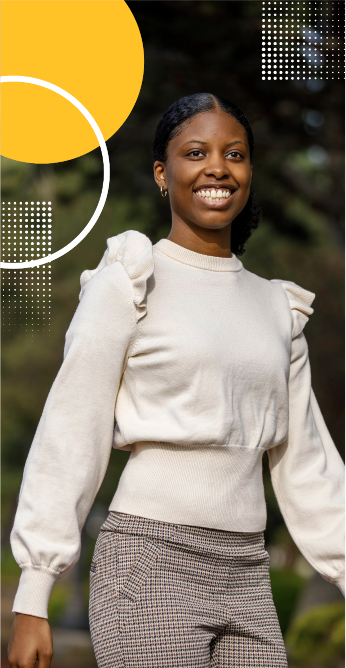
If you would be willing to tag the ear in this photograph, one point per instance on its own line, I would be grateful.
(159, 173)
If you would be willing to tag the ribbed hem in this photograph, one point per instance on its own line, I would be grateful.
(340, 582)
(216, 487)
(34, 589)
(186, 256)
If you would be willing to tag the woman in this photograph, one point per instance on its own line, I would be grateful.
(207, 367)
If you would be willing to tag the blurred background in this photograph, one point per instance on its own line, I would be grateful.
(298, 178)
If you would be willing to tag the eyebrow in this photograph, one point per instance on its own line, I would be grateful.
(198, 141)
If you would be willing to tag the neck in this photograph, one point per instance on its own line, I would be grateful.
(201, 239)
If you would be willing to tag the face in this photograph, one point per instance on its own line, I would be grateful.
(207, 171)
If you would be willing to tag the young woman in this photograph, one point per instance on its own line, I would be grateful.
(205, 366)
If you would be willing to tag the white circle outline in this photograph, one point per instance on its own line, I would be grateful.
(106, 173)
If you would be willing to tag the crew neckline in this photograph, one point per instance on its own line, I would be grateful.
(199, 260)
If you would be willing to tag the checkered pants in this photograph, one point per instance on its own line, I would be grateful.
(173, 596)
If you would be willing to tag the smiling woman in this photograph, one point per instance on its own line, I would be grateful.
(194, 147)
(205, 367)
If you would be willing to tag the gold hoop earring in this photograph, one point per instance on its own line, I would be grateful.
(163, 192)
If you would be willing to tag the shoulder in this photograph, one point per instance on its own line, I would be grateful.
(284, 295)
(299, 301)
(125, 267)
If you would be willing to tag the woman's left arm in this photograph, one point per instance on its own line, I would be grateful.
(308, 475)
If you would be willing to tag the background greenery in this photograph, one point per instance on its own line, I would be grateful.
(298, 178)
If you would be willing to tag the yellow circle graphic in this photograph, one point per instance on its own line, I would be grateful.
(90, 48)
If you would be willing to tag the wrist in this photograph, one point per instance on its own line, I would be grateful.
(34, 589)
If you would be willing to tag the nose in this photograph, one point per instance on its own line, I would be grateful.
(217, 167)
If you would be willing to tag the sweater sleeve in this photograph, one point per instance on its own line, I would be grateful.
(307, 471)
(71, 448)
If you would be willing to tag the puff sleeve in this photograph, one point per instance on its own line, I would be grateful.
(307, 471)
(71, 448)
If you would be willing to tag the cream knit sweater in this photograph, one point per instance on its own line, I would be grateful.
(204, 366)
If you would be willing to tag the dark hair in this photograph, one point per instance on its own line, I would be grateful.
(171, 124)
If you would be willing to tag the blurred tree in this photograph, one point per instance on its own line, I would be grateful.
(317, 638)
(286, 587)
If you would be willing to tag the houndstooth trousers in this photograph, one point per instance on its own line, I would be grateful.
(173, 596)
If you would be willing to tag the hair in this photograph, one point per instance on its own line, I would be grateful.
(173, 122)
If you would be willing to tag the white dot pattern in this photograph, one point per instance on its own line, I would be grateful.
(303, 40)
(26, 234)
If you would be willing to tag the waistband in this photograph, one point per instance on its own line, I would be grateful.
(216, 541)
(209, 487)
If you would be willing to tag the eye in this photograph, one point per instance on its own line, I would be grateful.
(236, 153)
(196, 153)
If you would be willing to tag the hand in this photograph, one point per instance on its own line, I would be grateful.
(30, 641)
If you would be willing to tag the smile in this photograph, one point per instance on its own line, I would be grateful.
(215, 198)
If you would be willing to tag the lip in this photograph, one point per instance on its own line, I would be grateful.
(215, 205)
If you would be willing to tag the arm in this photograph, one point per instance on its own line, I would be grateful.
(307, 474)
(72, 445)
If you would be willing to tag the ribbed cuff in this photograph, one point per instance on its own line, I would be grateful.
(340, 582)
(34, 589)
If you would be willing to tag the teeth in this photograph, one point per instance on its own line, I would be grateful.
(214, 195)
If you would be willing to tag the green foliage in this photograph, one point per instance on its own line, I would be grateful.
(13, 175)
(58, 601)
(286, 587)
(10, 570)
(316, 639)
(69, 184)
(11, 477)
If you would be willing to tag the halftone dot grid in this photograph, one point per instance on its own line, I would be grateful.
(26, 234)
(303, 40)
